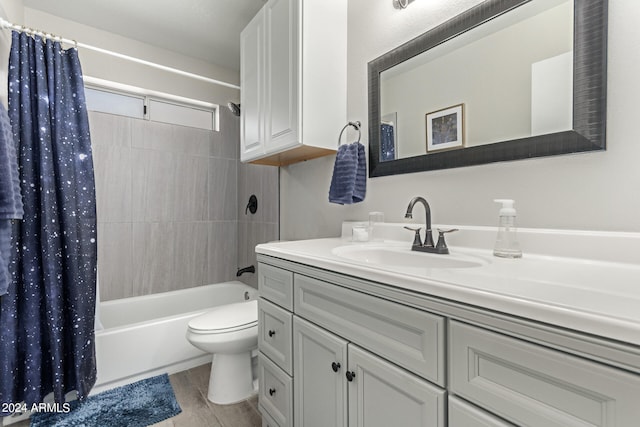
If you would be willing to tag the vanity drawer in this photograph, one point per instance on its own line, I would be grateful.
(408, 337)
(463, 414)
(535, 386)
(275, 394)
(275, 334)
(276, 285)
(267, 421)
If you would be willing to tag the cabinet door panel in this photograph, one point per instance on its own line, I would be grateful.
(282, 63)
(535, 386)
(252, 82)
(383, 395)
(320, 393)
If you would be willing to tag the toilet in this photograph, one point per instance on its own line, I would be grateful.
(230, 333)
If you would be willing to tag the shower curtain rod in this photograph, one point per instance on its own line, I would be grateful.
(6, 24)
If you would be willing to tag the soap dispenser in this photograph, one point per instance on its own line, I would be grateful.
(507, 245)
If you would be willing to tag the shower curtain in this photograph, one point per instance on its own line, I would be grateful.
(47, 317)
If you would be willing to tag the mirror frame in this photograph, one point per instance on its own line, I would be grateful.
(589, 93)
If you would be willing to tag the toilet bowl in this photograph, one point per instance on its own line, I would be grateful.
(230, 333)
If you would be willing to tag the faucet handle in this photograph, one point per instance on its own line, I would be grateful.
(417, 241)
(442, 231)
(441, 246)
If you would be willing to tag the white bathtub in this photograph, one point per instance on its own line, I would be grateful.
(145, 336)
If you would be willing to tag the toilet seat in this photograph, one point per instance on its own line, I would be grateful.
(226, 318)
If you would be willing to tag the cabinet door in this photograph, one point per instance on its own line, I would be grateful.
(383, 395)
(320, 387)
(282, 70)
(252, 82)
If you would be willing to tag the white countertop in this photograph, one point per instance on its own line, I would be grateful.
(596, 297)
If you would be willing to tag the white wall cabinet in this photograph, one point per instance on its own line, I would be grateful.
(502, 371)
(293, 79)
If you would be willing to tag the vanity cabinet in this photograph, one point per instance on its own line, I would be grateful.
(338, 376)
(286, 118)
(367, 354)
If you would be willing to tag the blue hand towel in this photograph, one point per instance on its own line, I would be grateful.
(10, 194)
(349, 180)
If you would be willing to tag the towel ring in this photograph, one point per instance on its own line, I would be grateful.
(356, 125)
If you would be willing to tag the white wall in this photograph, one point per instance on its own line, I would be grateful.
(596, 191)
(110, 68)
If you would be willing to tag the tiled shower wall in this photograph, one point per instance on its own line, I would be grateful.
(168, 205)
(263, 225)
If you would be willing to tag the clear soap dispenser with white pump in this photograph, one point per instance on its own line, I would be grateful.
(507, 245)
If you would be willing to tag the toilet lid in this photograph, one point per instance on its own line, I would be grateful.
(227, 317)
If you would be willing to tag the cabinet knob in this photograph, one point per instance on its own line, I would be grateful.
(272, 391)
(335, 366)
(272, 333)
(350, 375)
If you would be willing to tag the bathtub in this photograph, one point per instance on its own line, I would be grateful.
(145, 336)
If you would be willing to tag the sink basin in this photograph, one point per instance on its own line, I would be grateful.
(404, 257)
(382, 256)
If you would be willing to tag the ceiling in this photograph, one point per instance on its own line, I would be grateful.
(205, 29)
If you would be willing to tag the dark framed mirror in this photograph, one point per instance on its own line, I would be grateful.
(582, 121)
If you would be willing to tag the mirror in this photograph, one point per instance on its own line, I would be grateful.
(505, 80)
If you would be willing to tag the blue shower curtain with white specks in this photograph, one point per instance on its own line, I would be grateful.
(47, 317)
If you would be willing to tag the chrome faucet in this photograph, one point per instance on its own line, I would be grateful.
(427, 246)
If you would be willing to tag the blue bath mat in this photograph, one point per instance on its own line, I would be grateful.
(138, 404)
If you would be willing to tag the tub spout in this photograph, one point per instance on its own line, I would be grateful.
(241, 271)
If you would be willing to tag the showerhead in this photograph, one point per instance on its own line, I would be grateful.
(235, 108)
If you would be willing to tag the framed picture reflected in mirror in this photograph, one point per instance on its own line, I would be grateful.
(445, 128)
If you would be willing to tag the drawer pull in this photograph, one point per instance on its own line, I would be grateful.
(350, 375)
(272, 391)
(335, 366)
(272, 333)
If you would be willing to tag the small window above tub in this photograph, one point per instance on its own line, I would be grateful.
(114, 103)
(179, 114)
(130, 101)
